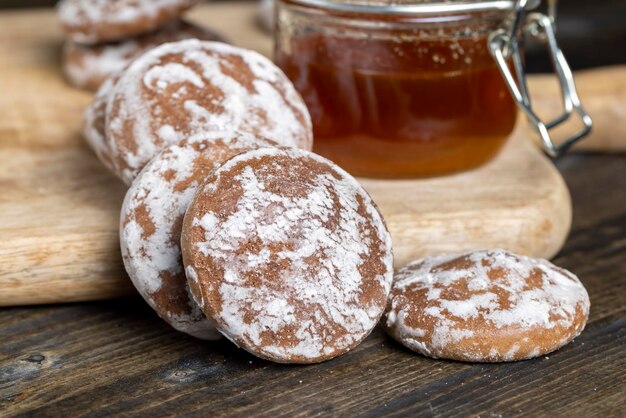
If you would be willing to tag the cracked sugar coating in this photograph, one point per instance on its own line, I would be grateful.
(288, 255)
(151, 220)
(485, 306)
(95, 21)
(87, 66)
(93, 129)
(189, 87)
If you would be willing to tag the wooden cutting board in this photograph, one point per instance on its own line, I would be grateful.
(59, 207)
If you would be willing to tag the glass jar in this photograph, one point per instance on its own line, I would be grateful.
(399, 89)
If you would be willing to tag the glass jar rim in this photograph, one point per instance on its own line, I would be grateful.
(415, 8)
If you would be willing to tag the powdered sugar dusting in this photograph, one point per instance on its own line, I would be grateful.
(321, 301)
(160, 77)
(94, 122)
(86, 21)
(151, 217)
(87, 66)
(196, 86)
(87, 69)
(462, 296)
(97, 11)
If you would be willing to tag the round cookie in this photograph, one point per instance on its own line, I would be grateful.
(151, 219)
(485, 306)
(184, 88)
(93, 130)
(288, 255)
(87, 66)
(95, 21)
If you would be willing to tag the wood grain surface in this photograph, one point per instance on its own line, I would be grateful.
(117, 358)
(602, 92)
(60, 208)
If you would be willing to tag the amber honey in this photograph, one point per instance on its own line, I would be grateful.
(399, 106)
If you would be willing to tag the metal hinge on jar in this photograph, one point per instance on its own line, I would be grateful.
(504, 45)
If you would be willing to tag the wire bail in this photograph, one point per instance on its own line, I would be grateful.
(504, 44)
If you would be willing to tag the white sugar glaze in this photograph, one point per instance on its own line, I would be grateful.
(98, 13)
(162, 193)
(553, 303)
(310, 300)
(202, 71)
(94, 121)
(88, 65)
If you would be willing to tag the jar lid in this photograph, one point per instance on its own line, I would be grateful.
(415, 6)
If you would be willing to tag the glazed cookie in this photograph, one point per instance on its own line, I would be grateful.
(151, 220)
(94, 120)
(87, 66)
(184, 88)
(288, 255)
(485, 306)
(95, 21)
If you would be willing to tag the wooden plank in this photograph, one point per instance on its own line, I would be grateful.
(60, 208)
(602, 92)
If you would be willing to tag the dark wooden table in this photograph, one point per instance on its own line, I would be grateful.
(118, 358)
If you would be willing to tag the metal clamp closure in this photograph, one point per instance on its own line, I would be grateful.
(504, 45)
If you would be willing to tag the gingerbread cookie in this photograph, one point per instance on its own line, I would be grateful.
(190, 87)
(87, 66)
(288, 255)
(151, 220)
(94, 121)
(95, 21)
(485, 306)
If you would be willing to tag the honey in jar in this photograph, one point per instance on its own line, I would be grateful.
(397, 95)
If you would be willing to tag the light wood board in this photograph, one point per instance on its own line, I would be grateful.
(59, 207)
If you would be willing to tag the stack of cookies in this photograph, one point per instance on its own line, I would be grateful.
(104, 36)
(232, 227)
